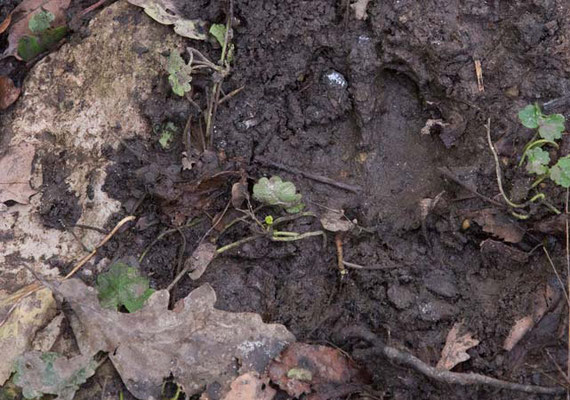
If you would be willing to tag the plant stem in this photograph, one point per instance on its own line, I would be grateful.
(238, 243)
(285, 234)
(534, 144)
(299, 237)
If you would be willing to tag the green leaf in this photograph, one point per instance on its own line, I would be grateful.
(530, 115)
(180, 73)
(537, 161)
(275, 192)
(123, 286)
(40, 373)
(219, 32)
(41, 21)
(550, 127)
(167, 134)
(560, 172)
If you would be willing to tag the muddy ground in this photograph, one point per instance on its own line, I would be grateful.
(343, 98)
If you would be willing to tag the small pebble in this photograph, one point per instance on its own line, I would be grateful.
(335, 80)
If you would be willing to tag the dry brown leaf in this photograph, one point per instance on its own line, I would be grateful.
(19, 329)
(15, 170)
(9, 93)
(239, 194)
(195, 342)
(456, 345)
(313, 365)
(498, 224)
(539, 304)
(167, 12)
(334, 221)
(21, 17)
(200, 259)
(6, 23)
(250, 387)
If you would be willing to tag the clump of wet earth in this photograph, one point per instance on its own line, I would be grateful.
(345, 98)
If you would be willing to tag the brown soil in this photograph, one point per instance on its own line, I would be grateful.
(346, 99)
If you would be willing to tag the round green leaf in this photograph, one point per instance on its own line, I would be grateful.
(40, 21)
(529, 116)
(551, 126)
(537, 161)
(560, 173)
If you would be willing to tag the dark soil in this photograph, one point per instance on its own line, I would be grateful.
(346, 99)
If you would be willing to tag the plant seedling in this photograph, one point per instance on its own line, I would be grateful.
(549, 129)
(122, 285)
(273, 192)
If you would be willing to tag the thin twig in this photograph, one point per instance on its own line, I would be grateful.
(448, 174)
(322, 179)
(440, 375)
(557, 275)
(230, 95)
(567, 283)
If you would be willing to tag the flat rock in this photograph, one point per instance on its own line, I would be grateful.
(400, 296)
(442, 283)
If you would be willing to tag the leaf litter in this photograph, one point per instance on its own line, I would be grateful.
(9, 93)
(195, 343)
(456, 345)
(16, 167)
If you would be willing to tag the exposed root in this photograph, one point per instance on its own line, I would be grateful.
(445, 376)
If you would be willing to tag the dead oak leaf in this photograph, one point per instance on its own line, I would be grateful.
(9, 93)
(23, 13)
(304, 368)
(15, 171)
(195, 343)
(456, 346)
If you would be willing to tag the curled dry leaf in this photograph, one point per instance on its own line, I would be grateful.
(23, 13)
(9, 93)
(301, 368)
(250, 387)
(195, 343)
(456, 345)
(6, 23)
(498, 224)
(15, 171)
(239, 194)
(200, 259)
(20, 327)
(335, 221)
(167, 12)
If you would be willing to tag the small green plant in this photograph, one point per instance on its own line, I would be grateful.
(43, 37)
(122, 285)
(167, 132)
(273, 192)
(549, 129)
(179, 73)
(218, 31)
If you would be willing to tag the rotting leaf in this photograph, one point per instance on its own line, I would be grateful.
(275, 192)
(25, 11)
(18, 330)
(6, 23)
(179, 73)
(122, 285)
(16, 167)
(335, 221)
(456, 345)
(359, 8)
(147, 346)
(250, 386)
(239, 194)
(200, 259)
(560, 172)
(40, 373)
(9, 93)
(166, 12)
(312, 365)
